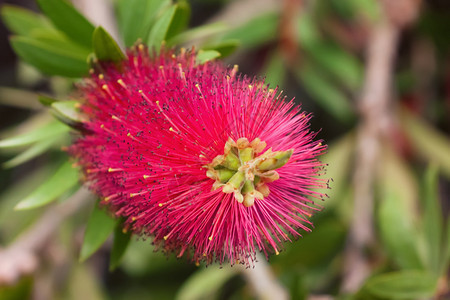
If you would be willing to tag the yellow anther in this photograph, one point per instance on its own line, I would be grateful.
(210, 238)
(105, 87)
(160, 205)
(101, 76)
(146, 176)
(171, 129)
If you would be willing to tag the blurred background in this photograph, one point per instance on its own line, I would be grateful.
(375, 75)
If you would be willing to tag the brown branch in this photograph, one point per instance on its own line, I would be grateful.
(374, 108)
(20, 257)
(263, 281)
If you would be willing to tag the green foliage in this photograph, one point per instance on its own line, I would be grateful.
(105, 48)
(120, 244)
(205, 283)
(49, 59)
(65, 178)
(99, 227)
(136, 17)
(204, 56)
(67, 19)
(225, 48)
(22, 21)
(401, 285)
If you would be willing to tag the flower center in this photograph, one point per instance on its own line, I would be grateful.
(241, 171)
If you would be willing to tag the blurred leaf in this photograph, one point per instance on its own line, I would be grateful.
(20, 98)
(325, 93)
(199, 32)
(22, 21)
(57, 40)
(432, 220)
(180, 20)
(308, 33)
(120, 244)
(48, 59)
(344, 67)
(402, 285)
(205, 283)
(64, 179)
(99, 227)
(135, 18)
(204, 56)
(159, 30)
(84, 284)
(397, 231)
(18, 291)
(275, 70)
(257, 31)
(67, 19)
(49, 130)
(429, 142)
(225, 48)
(105, 48)
(68, 113)
(46, 100)
(32, 152)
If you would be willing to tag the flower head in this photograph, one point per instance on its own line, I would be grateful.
(212, 165)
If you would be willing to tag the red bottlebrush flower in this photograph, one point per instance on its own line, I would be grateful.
(209, 164)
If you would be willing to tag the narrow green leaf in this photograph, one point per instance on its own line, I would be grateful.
(46, 100)
(397, 232)
(135, 18)
(344, 67)
(49, 60)
(68, 113)
(99, 227)
(17, 97)
(105, 48)
(257, 31)
(67, 19)
(32, 152)
(57, 40)
(199, 32)
(402, 285)
(204, 56)
(49, 130)
(120, 244)
(64, 179)
(205, 283)
(432, 220)
(22, 21)
(225, 48)
(275, 70)
(429, 142)
(180, 19)
(326, 94)
(160, 28)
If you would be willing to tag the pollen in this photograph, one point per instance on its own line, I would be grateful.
(244, 173)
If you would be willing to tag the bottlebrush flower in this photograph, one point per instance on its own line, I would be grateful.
(208, 163)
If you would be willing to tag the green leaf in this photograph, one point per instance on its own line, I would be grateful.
(326, 94)
(32, 152)
(57, 40)
(205, 283)
(105, 48)
(180, 19)
(204, 56)
(64, 179)
(343, 66)
(257, 31)
(432, 220)
(49, 60)
(402, 285)
(67, 19)
(135, 18)
(159, 30)
(430, 143)
(68, 113)
(225, 48)
(49, 130)
(275, 70)
(99, 227)
(120, 244)
(397, 231)
(46, 100)
(199, 32)
(22, 21)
